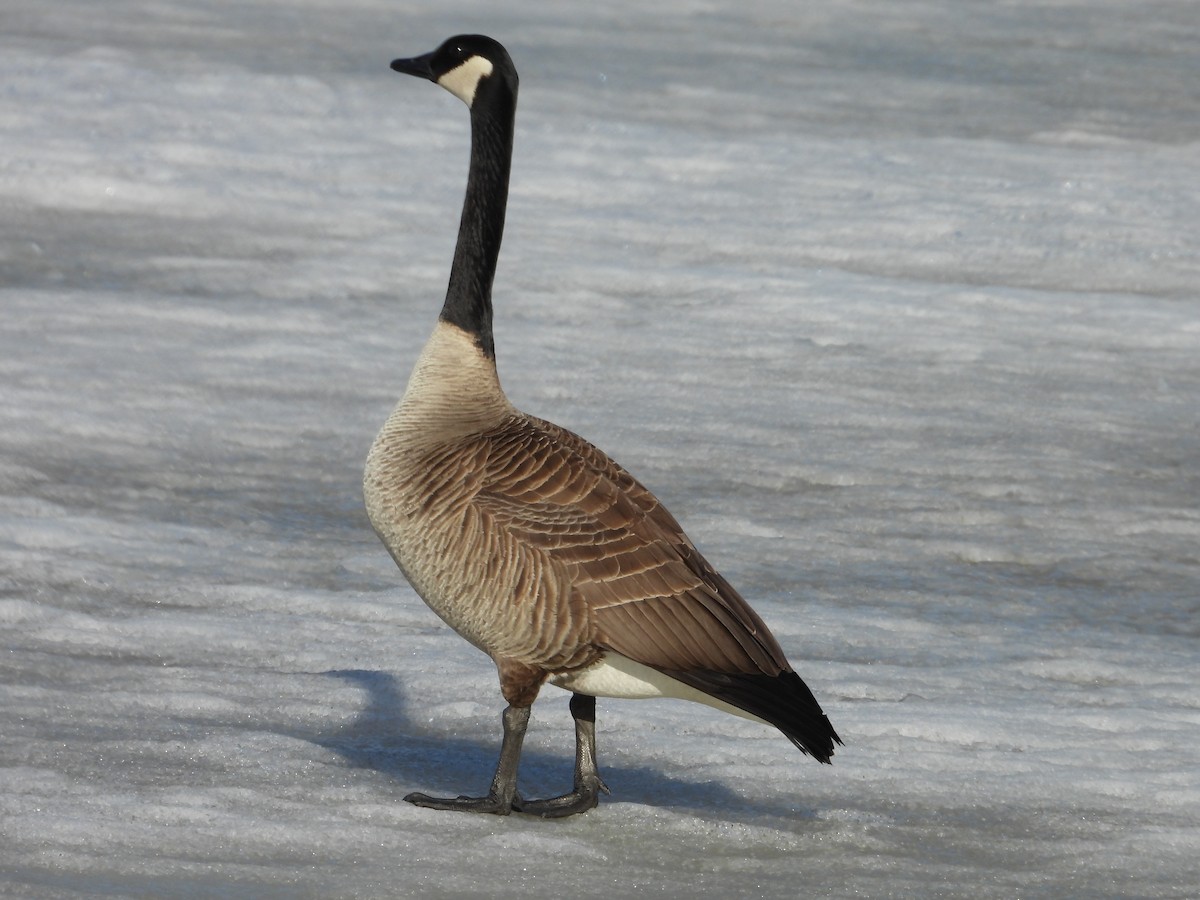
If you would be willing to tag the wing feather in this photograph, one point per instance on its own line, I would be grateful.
(651, 596)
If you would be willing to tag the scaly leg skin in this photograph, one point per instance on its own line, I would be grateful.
(503, 794)
(588, 783)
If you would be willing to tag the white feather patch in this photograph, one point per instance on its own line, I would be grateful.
(619, 676)
(464, 78)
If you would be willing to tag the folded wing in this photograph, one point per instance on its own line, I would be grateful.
(648, 593)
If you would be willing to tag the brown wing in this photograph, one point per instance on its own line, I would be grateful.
(648, 592)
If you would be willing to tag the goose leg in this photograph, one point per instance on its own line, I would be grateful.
(500, 799)
(588, 783)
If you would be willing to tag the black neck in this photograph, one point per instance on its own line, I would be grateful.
(469, 295)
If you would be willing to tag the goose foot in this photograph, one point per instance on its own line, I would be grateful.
(584, 797)
(492, 804)
(503, 798)
(503, 794)
(588, 783)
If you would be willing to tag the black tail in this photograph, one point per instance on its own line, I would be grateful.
(783, 700)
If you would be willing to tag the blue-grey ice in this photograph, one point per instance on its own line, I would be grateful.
(895, 304)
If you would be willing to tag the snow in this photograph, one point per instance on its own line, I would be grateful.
(894, 304)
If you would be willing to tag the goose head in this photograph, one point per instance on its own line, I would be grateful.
(469, 66)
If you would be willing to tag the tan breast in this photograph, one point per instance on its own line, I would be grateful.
(536, 546)
(434, 456)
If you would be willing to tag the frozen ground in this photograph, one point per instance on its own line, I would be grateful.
(894, 303)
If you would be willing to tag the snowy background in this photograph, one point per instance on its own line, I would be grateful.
(896, 304)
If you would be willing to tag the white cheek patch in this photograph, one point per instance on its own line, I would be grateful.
(463, 79)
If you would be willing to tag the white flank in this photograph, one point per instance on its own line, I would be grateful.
(618, 676)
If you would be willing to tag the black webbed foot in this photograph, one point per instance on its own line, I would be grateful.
(492, 804)
(588, 783)
(585, 796)
(503, 798)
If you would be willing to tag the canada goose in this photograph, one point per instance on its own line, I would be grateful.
(533, 544)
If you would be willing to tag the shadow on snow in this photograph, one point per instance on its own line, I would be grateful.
(384, 739)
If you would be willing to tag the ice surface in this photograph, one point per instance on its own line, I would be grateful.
(894, 303)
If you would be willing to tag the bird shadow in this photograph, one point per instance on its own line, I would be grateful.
(383, 738)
